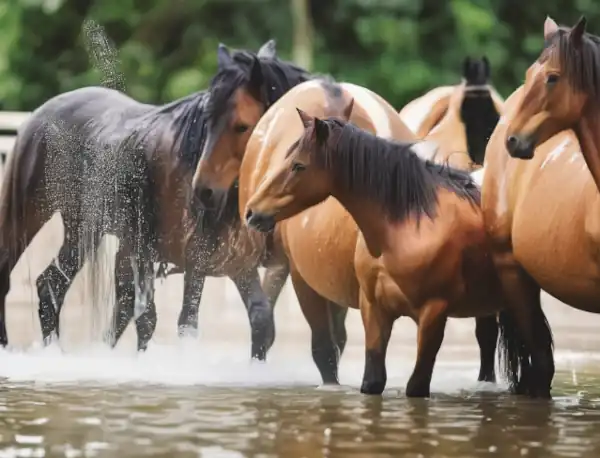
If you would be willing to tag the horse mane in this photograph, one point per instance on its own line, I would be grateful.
(184, 128)
(278, 77)
(478, 111)
(581, 64)
(391, 173)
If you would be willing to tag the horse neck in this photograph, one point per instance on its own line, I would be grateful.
(588, 133)
(368, 216)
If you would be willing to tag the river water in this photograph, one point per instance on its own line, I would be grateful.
(203, 398)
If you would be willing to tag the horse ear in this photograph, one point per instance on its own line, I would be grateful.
(348, 109)
(223, 56)
(576, 33)
(256, 76)
(550, 27)
(268, 50)
(321, 131)
(307, 120)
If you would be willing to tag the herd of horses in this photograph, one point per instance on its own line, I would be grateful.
(460, 205)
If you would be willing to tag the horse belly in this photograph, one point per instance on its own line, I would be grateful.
(558, 246)
(320, 244)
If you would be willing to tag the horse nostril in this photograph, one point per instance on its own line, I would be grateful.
(249, 215)
(512, 142)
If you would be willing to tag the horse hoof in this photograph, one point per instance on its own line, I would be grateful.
(417, 391)
(372, 387)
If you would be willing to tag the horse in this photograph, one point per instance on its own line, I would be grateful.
(460, 120)
(320, 245)
(83, 143)
(547, 236)
(422, 248)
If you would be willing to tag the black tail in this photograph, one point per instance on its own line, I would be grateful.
(513, 357)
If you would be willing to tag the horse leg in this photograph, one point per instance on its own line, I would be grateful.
(432, 324)
(486, 331)
(259, 310)
(274, 281)
(193, 286)
(54, 282)
(338, 316)
(378, 330)
(144, 310)
(125, 296)
(524, 306)
(315, 309)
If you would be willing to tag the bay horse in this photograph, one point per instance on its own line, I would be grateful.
(111, 165)
(422, 248)
(319, 244)
(460, 120)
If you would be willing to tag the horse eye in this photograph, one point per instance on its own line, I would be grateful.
(241, 128)
(297, 167)
(552, 78)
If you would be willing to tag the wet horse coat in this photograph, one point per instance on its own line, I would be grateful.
(79, 145)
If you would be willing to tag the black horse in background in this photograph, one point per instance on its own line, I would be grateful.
(111, 165)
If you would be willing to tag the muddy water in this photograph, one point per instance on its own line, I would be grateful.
(203, 398)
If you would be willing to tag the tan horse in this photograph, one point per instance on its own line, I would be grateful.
(543, 211)
(422, 251)
(460, 118)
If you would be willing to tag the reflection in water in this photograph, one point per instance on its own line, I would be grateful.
(128, 420)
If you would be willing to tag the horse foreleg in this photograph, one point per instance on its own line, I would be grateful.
(260, 312)
(274, 281)
(486, 331)
(144, 308)
(55, 280)
(378, 330)
(432, 324)
(125, 296)
(193, 286)
(315, 309)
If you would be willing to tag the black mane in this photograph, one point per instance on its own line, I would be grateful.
(188, 124)
(391, 173)
(278, 78)
(581, 64)
(478, 111)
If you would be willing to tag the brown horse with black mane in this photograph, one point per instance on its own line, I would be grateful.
(82, 143)
(422, 249)
(460, 120)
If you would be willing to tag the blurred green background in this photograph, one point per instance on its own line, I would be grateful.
(167, 48)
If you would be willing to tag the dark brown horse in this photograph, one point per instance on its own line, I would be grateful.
(422, 250)
(111, 165)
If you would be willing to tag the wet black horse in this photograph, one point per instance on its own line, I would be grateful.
(111, 165)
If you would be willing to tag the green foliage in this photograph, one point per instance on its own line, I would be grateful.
(167, 48)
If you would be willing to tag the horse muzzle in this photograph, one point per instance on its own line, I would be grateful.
(260, 221)
(520, 147)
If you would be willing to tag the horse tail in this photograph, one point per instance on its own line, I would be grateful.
(17, 185)
(513, 356)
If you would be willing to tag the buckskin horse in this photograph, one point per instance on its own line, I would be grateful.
(111, 165)
(320, 246)
(541, 202)
(422, 248)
